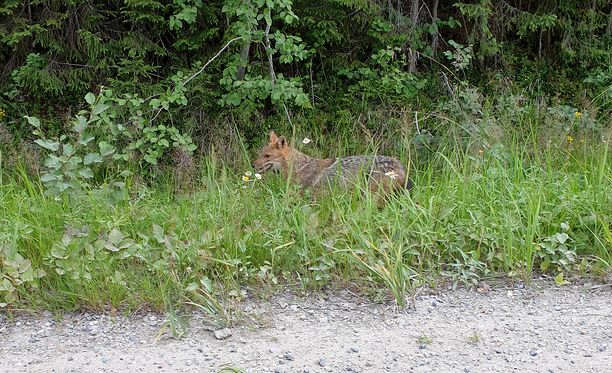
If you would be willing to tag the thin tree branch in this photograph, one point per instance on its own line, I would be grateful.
(211, 60)
(269, 54)
(201, 70)
(271, 67)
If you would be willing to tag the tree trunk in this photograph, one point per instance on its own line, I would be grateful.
(414, 19)
(434, 39)
(244, 61)
(269, 53)
(609, 28)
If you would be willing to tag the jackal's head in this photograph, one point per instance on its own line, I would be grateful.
(272, 156)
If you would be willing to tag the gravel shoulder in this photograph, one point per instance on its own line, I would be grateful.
(539, 329)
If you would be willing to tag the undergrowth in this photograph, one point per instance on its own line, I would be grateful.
(508, 210)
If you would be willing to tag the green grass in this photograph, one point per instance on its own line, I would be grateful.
(470, 216)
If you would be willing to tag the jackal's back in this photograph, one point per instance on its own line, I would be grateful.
(380, 171)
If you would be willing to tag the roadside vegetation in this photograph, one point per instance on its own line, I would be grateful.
(124, 156)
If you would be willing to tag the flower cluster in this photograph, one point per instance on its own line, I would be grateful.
(249, 177)
(2, 113)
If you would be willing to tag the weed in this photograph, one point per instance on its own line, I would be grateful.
(424, 340)
(474, 338)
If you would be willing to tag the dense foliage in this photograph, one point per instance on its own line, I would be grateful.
(325, 56)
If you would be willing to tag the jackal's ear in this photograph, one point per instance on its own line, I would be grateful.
(281, 142)
(273, 137)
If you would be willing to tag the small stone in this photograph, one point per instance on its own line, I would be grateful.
(70, 358)
(321, 362)
(223, 333)
(288, 356)
(106, 360)
(557, 308)
(533, 352)
(422, 346)
(354, 349)
(602, 348)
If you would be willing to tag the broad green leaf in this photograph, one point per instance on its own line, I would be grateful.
(90, 98)
(205, 281)
(87, 173)
(49, 145)
(158, 233)
(47, 178)
(99, 108)
(33, 121)
(106, 148)
(92, 158)
(561, 237)
(58, 252)
(559, 280)
(84, 140)
(68, 150)
(115, 237)
(81, 124)
(6, 285)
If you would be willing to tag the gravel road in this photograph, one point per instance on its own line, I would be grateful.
(539, 329)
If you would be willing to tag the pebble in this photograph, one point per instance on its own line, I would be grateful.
(321, 362)
(602, 348)
(533, 352)
(289, 356)
(223, 333)
(354, 349)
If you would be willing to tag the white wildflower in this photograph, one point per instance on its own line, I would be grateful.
(248, 173)
(306, 141)
(392, 174)
(258, 176)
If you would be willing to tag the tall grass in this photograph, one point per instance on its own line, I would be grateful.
(500, 211)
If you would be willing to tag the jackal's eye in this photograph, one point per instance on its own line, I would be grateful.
(266, 155)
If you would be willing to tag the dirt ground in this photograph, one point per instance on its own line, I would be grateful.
(542, 328)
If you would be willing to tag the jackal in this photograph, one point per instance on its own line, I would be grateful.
(383, 174)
